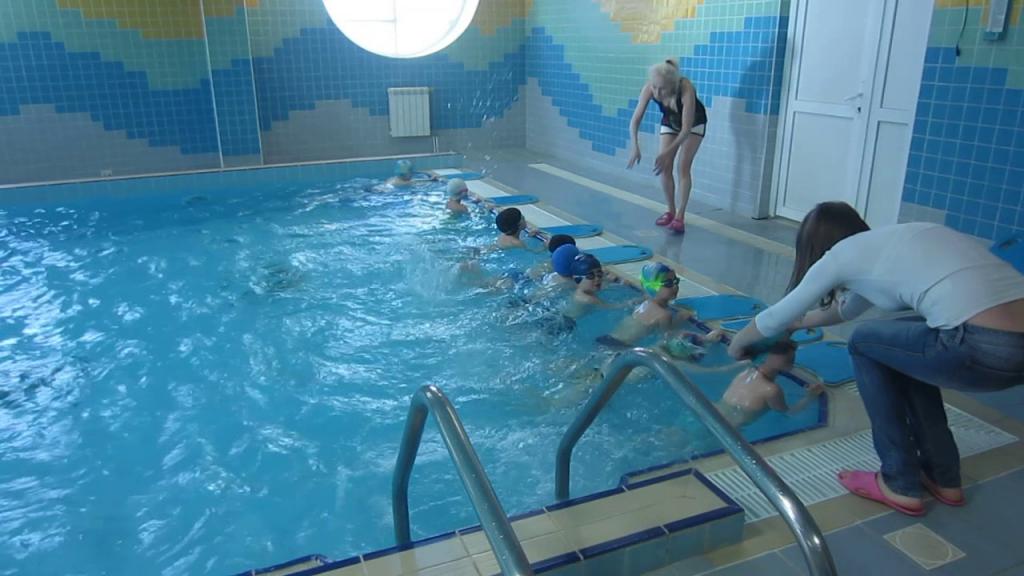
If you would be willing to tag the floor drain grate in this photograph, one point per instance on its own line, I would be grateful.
(811, 471)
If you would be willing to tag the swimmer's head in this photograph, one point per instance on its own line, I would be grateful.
(559, 240)
(656, 276)
(562, 259)
(587, 268)
(664, 77)
(457, 188)
(403, 169)
(510, 221)
(776, 354)
(685, 348)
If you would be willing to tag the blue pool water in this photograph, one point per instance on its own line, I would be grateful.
(205, 384)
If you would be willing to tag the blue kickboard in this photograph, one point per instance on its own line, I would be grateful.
(805, 336)
(463, 175)
(512, 200)
(721, 306)
(575, 230)
(620, 254)
(830, 361)
(422, 177)
(1011, 250)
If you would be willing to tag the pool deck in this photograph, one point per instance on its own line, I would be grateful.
(729, 253)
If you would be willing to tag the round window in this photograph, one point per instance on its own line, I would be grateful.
(402, 28)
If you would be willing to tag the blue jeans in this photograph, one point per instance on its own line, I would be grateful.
(900, 366)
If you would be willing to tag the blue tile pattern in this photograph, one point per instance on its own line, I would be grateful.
(322, 64)
(967, 151)
(742, 64)
(236, 109)
(36, 70)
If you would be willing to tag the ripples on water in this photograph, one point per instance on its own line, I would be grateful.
(209, 383)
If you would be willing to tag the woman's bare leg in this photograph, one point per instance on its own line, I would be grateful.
(668, 182)
(689, 147)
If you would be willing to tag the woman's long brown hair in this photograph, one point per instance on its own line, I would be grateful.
(823, 227)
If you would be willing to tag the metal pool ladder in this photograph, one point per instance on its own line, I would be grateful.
(495, 523)
(808, 535)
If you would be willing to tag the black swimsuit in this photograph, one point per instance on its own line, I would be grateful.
(673, 119)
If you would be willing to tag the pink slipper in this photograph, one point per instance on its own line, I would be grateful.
(677, 226)
(933, 489)
(664, 220)
(865, 485)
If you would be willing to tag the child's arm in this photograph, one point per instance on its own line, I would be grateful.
(778, 403)
(531, 232)
(681, 316)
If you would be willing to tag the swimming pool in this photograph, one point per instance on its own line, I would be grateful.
(204, 383)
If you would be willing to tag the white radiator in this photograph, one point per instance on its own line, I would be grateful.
(409, 111)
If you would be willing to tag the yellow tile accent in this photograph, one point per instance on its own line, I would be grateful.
(537, 549)
(585, 535)
(494, 14)
(157, 18)
(646, 20)
(417, 559)
(525, 529)
(464, 567)
(1015, 8)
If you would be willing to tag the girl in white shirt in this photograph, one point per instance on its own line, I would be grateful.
(970, 336)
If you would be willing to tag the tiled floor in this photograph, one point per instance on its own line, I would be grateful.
(987, 530)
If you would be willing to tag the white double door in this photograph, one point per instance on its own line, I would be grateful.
(852, 81)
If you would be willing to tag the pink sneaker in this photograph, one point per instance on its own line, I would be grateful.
(677, 226)
(664, 220)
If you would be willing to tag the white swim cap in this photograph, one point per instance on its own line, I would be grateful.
(457, 187)
(403, 167)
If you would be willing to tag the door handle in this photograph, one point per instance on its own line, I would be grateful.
(856, 96)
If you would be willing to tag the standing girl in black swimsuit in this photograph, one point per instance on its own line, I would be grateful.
(683, 122)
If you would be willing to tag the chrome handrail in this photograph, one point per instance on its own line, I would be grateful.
(495, 523)
(808, 535)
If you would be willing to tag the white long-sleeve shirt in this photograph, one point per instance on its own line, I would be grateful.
(941, 274)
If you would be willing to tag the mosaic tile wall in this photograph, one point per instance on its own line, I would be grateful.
(966, 165)
(113, 87)
(96, 87)
(587, 61)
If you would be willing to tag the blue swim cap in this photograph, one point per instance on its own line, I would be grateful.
(584, 264)
(403, 168)
(652, 276)
(561, 259)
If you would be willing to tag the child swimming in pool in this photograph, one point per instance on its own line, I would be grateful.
(403, 175)
(543, 269)
(457, 192)
(754, 392)
(562, 258)
(588, 274)
(655, 314)
(511, 224)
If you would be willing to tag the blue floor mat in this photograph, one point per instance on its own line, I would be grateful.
(512, 200)
(800, 336)
(1011, 250)
(574, 230)
(721, 306)
(620, 254)
(830, 361)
